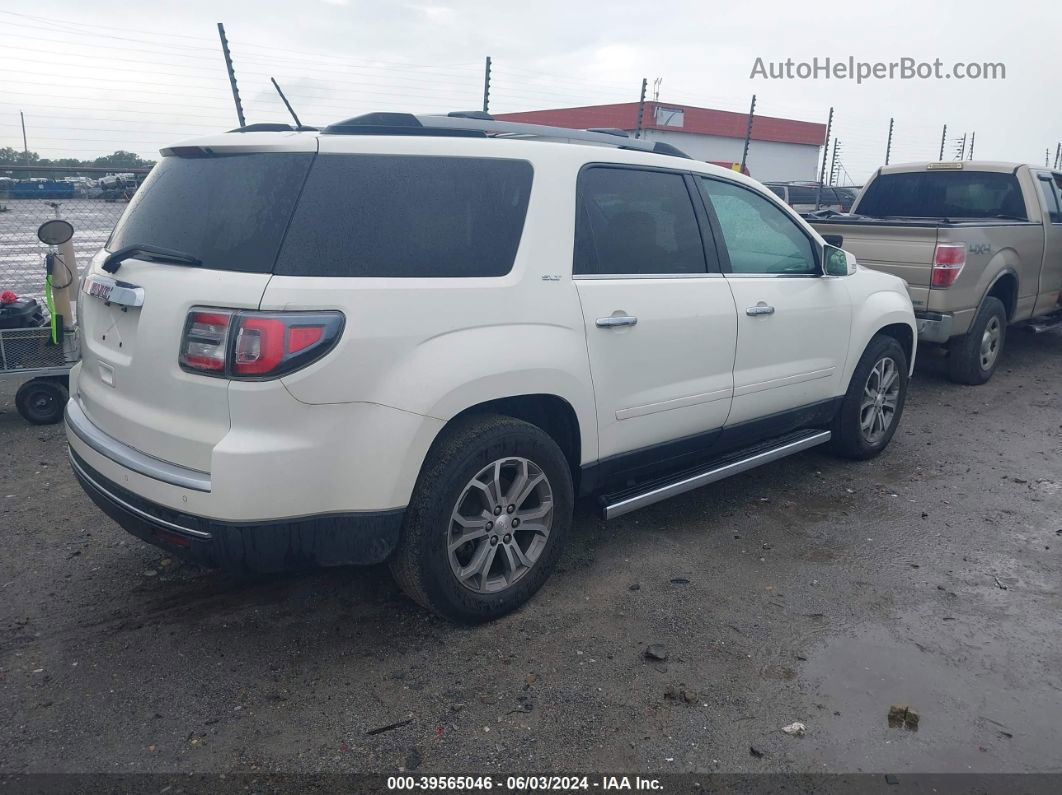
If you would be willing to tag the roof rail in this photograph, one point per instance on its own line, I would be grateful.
(479, 124)
(272, 127)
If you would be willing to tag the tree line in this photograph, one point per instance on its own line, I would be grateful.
(117, 161)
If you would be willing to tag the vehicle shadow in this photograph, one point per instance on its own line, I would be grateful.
(1023, 349)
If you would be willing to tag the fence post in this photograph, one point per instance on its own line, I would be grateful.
(943, 138)
(641, 109)
(486, 86)
(748, 134)
(888, 145)
(25, 146)
(822, 172)
(232, 75)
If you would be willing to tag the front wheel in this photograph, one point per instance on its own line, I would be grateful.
(873, 405)
(487, 520)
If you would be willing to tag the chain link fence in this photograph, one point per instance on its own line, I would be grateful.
(90, 199)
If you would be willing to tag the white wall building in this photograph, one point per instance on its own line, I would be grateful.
(779, 149)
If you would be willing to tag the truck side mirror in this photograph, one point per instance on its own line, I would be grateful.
(835, 262)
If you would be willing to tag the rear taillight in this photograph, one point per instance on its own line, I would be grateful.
(948, 260)
(206, 340)
(255, 345)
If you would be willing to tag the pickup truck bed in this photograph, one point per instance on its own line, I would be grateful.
(1016, 259)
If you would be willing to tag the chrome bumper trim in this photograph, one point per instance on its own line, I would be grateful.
(118, 452)
(147, 517)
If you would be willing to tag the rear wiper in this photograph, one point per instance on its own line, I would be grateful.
(150, 252)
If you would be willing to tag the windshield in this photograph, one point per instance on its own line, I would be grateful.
(944, 194)
(229, 212)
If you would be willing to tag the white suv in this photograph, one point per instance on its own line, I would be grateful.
(419, 339)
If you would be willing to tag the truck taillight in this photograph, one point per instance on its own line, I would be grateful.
(255, 345)
(948, 260)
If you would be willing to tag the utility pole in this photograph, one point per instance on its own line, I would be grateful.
(943, 138)
(973, 139)
(25, 146)
(888, 146)
(962, 148)
(1047, 157)
(641, 109)
(833, 162)
(822, 171)
(656, 88)
(232, 75)
(748, 134)
(486, 86)
(1058, 155)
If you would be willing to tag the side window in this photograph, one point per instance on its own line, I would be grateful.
(805, 195)
(1051, 187)
(636, 222)
(759, 237)
(777, 190)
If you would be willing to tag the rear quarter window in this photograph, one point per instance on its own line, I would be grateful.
(407, 216)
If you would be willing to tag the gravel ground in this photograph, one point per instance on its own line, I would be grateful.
(811, 590)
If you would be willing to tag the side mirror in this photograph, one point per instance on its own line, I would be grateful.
(835, 262)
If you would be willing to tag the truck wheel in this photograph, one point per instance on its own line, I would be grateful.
(972, 358)
(41, 401)
(487, 520)
(873, 405)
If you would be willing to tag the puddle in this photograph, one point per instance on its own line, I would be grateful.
(976, 712)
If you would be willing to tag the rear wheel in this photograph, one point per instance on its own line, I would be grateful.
(487, 520)
(873, 405)
(972, 358)
(41, 401)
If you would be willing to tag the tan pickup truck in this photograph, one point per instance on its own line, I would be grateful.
(978, 243)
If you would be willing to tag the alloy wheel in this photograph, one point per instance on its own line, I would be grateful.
(881, 395)
(990, 340)
(500, 525)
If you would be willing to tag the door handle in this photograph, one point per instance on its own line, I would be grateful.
(760, 309)
(616, 320)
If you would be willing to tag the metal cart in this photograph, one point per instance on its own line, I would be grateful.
(28, 354)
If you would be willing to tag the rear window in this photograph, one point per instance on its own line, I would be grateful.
(944, 194)
(228, 211)
(407, 216)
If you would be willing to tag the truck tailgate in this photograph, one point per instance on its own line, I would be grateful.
(904, 251)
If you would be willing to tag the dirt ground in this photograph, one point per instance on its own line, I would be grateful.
(811, 590)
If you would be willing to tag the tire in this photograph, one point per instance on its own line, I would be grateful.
(41, 401)
(432, 566)
(883, 362)
(973, 357)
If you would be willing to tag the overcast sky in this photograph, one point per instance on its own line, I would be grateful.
(99, 75)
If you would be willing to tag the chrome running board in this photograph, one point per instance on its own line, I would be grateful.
(623, 502)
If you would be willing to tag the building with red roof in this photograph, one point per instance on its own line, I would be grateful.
(779, 149)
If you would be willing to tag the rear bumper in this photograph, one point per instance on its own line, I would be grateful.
(363, 537)
(934, 326)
